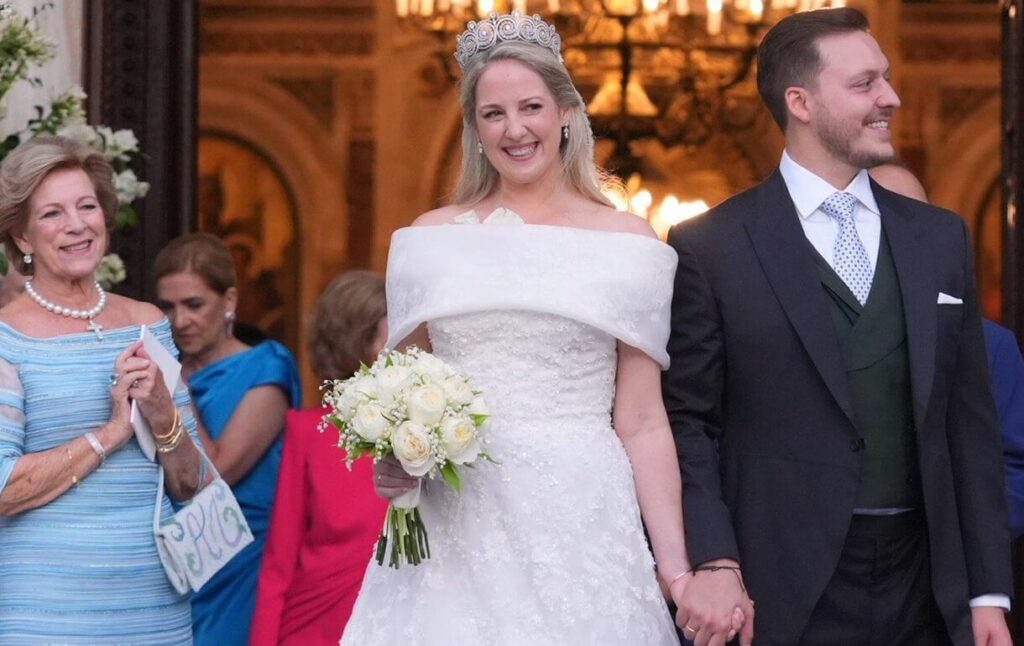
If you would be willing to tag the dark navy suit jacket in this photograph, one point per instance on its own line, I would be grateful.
(1007, 367)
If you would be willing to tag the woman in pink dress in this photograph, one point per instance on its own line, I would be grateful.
(326, 518)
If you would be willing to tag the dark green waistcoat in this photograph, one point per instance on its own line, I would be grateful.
(874, 347)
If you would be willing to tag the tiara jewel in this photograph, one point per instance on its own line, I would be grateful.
(483, 35)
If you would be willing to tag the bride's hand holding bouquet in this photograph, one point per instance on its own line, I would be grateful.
(416, 417)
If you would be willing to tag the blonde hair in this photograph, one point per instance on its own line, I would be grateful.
(25, 168)
(477, 177)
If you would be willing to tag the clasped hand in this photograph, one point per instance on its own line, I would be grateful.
(390, 480)
(137, 377)
(713, 606)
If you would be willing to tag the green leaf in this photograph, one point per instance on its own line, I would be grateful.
(479, 419)
(451, 476)
(126, 217)
(3, 264)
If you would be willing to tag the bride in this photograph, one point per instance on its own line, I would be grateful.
(557, 306)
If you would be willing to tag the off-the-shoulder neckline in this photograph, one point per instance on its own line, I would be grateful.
(161, 322)
(519, 221)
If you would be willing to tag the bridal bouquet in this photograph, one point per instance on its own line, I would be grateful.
(413, 406)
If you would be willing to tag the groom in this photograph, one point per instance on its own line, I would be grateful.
(829, 391)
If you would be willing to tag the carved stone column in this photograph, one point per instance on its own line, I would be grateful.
(141, 73)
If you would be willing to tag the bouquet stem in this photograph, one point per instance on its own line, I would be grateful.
(407, 536)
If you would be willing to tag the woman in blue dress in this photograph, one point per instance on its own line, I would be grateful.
(241, 395)
(78, 559)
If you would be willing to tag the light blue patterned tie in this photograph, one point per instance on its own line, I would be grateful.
(849, 258)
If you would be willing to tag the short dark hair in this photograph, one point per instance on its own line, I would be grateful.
(788, 55)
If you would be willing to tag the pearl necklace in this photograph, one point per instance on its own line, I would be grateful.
(89, 314)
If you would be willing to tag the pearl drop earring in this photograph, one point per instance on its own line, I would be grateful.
(27, 258)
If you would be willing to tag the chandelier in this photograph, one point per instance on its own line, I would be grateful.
(673, 70)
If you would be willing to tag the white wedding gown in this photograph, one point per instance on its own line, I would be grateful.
(547, 546)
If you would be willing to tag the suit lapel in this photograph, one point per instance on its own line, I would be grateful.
(910, 254)
(788, 263)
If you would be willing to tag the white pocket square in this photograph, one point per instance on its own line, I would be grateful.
(946, 299)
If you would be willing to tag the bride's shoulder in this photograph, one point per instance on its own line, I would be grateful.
(608, 219)
(443, 215)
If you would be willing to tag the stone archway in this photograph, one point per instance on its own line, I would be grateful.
(252, 110)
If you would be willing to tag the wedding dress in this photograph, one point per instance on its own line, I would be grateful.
(545, 547)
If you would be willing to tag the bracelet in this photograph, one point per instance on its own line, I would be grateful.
(94, 442)
(677, 577)
(716, 568)
(167, 447)
(174, 427)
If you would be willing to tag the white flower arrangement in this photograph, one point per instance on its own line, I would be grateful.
(415, 407)
(23, 45)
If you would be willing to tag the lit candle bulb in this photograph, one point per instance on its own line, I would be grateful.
(650, 6)
(683, 7)
(402, 8)
(756, 9)
(484, 7)
(426, 7)
(553, 6)
(519, 5)
(714, 17)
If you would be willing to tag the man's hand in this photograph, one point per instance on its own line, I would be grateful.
(990, 627)
(713, 606)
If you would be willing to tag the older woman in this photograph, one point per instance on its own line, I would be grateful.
(241, 394)
(327, 517)
(78, 561)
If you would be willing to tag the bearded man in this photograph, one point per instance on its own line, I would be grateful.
(829, 390)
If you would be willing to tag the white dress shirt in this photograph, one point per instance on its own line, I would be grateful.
(808, 191)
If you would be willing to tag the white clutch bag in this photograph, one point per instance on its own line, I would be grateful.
(202, 536)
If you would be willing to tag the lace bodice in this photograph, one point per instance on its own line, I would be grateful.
(532, 365)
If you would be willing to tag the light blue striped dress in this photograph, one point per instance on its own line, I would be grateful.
(82, 569)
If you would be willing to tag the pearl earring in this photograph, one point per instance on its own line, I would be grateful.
(27, 258)
(479, 147)
(565, 132)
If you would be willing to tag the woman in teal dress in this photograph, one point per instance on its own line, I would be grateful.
(78, 559)
(241, 395)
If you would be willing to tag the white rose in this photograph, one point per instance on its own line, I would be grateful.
(457, 390)
(369, 422)
(391, 380)
(125, 141)
(365, 386)
(106, 136)
(428, 365)
(411, 444)
(478, 407)
(460, 438)
(127, 185)
(426, 404)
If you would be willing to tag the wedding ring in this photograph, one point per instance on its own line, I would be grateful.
(688, 632)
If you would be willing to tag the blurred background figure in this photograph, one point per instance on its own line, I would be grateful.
(241, 394)
(11, 285)
(327, 518)
(898, 179)
(1005, 365)
(78, 562)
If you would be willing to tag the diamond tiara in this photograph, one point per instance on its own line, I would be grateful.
(483, 35)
